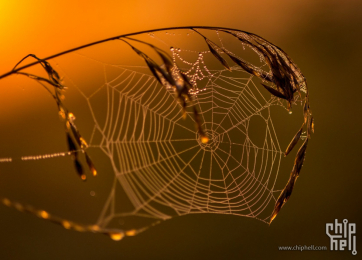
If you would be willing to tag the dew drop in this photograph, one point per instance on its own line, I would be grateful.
(94, 228)
(66, 224)
(204, 139)
(18, 206)
(79, 228)
(43, 214)
(6, 202)
(131, 232)
(116, 236)
(71, 116)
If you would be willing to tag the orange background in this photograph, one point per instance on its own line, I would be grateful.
(322, 37)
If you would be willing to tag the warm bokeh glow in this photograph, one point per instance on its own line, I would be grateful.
(47, 27)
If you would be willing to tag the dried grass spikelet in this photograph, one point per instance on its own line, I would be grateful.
(182, 91)
(288, 189)
(287, 78)
(259, 49)
(294, 141)
(40, 79)
(306, 109)
(216, 54)
(213, 47)
(283, 197)
(155, 69)
(74, 139)
(299, 159)
(285, 75)
(90, 164)
(310, 124)
(203, 137)
(54, 78)
(274, 92)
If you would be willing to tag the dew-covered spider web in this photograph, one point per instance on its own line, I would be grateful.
(154, 159)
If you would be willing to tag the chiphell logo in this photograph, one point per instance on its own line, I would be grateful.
(342, 235)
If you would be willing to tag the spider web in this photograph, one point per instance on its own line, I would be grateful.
(160, 166)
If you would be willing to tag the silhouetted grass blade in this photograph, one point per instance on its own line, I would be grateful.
(216, 54)
(274, 92)
(168, 63)
(283, 197)
(79, 169)
(40, 79)
(90, 164)
(310, 125)
(306, 110)
(294, 141)
(71, 145)
(299, 159)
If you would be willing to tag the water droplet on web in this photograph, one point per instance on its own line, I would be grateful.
(131, 232)
(66, 224)
(92, 193)
(116, 236)
(172, 48)
(43, 214)
(204, 139)
(71, 116)
(94, 228)
(290, 112)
